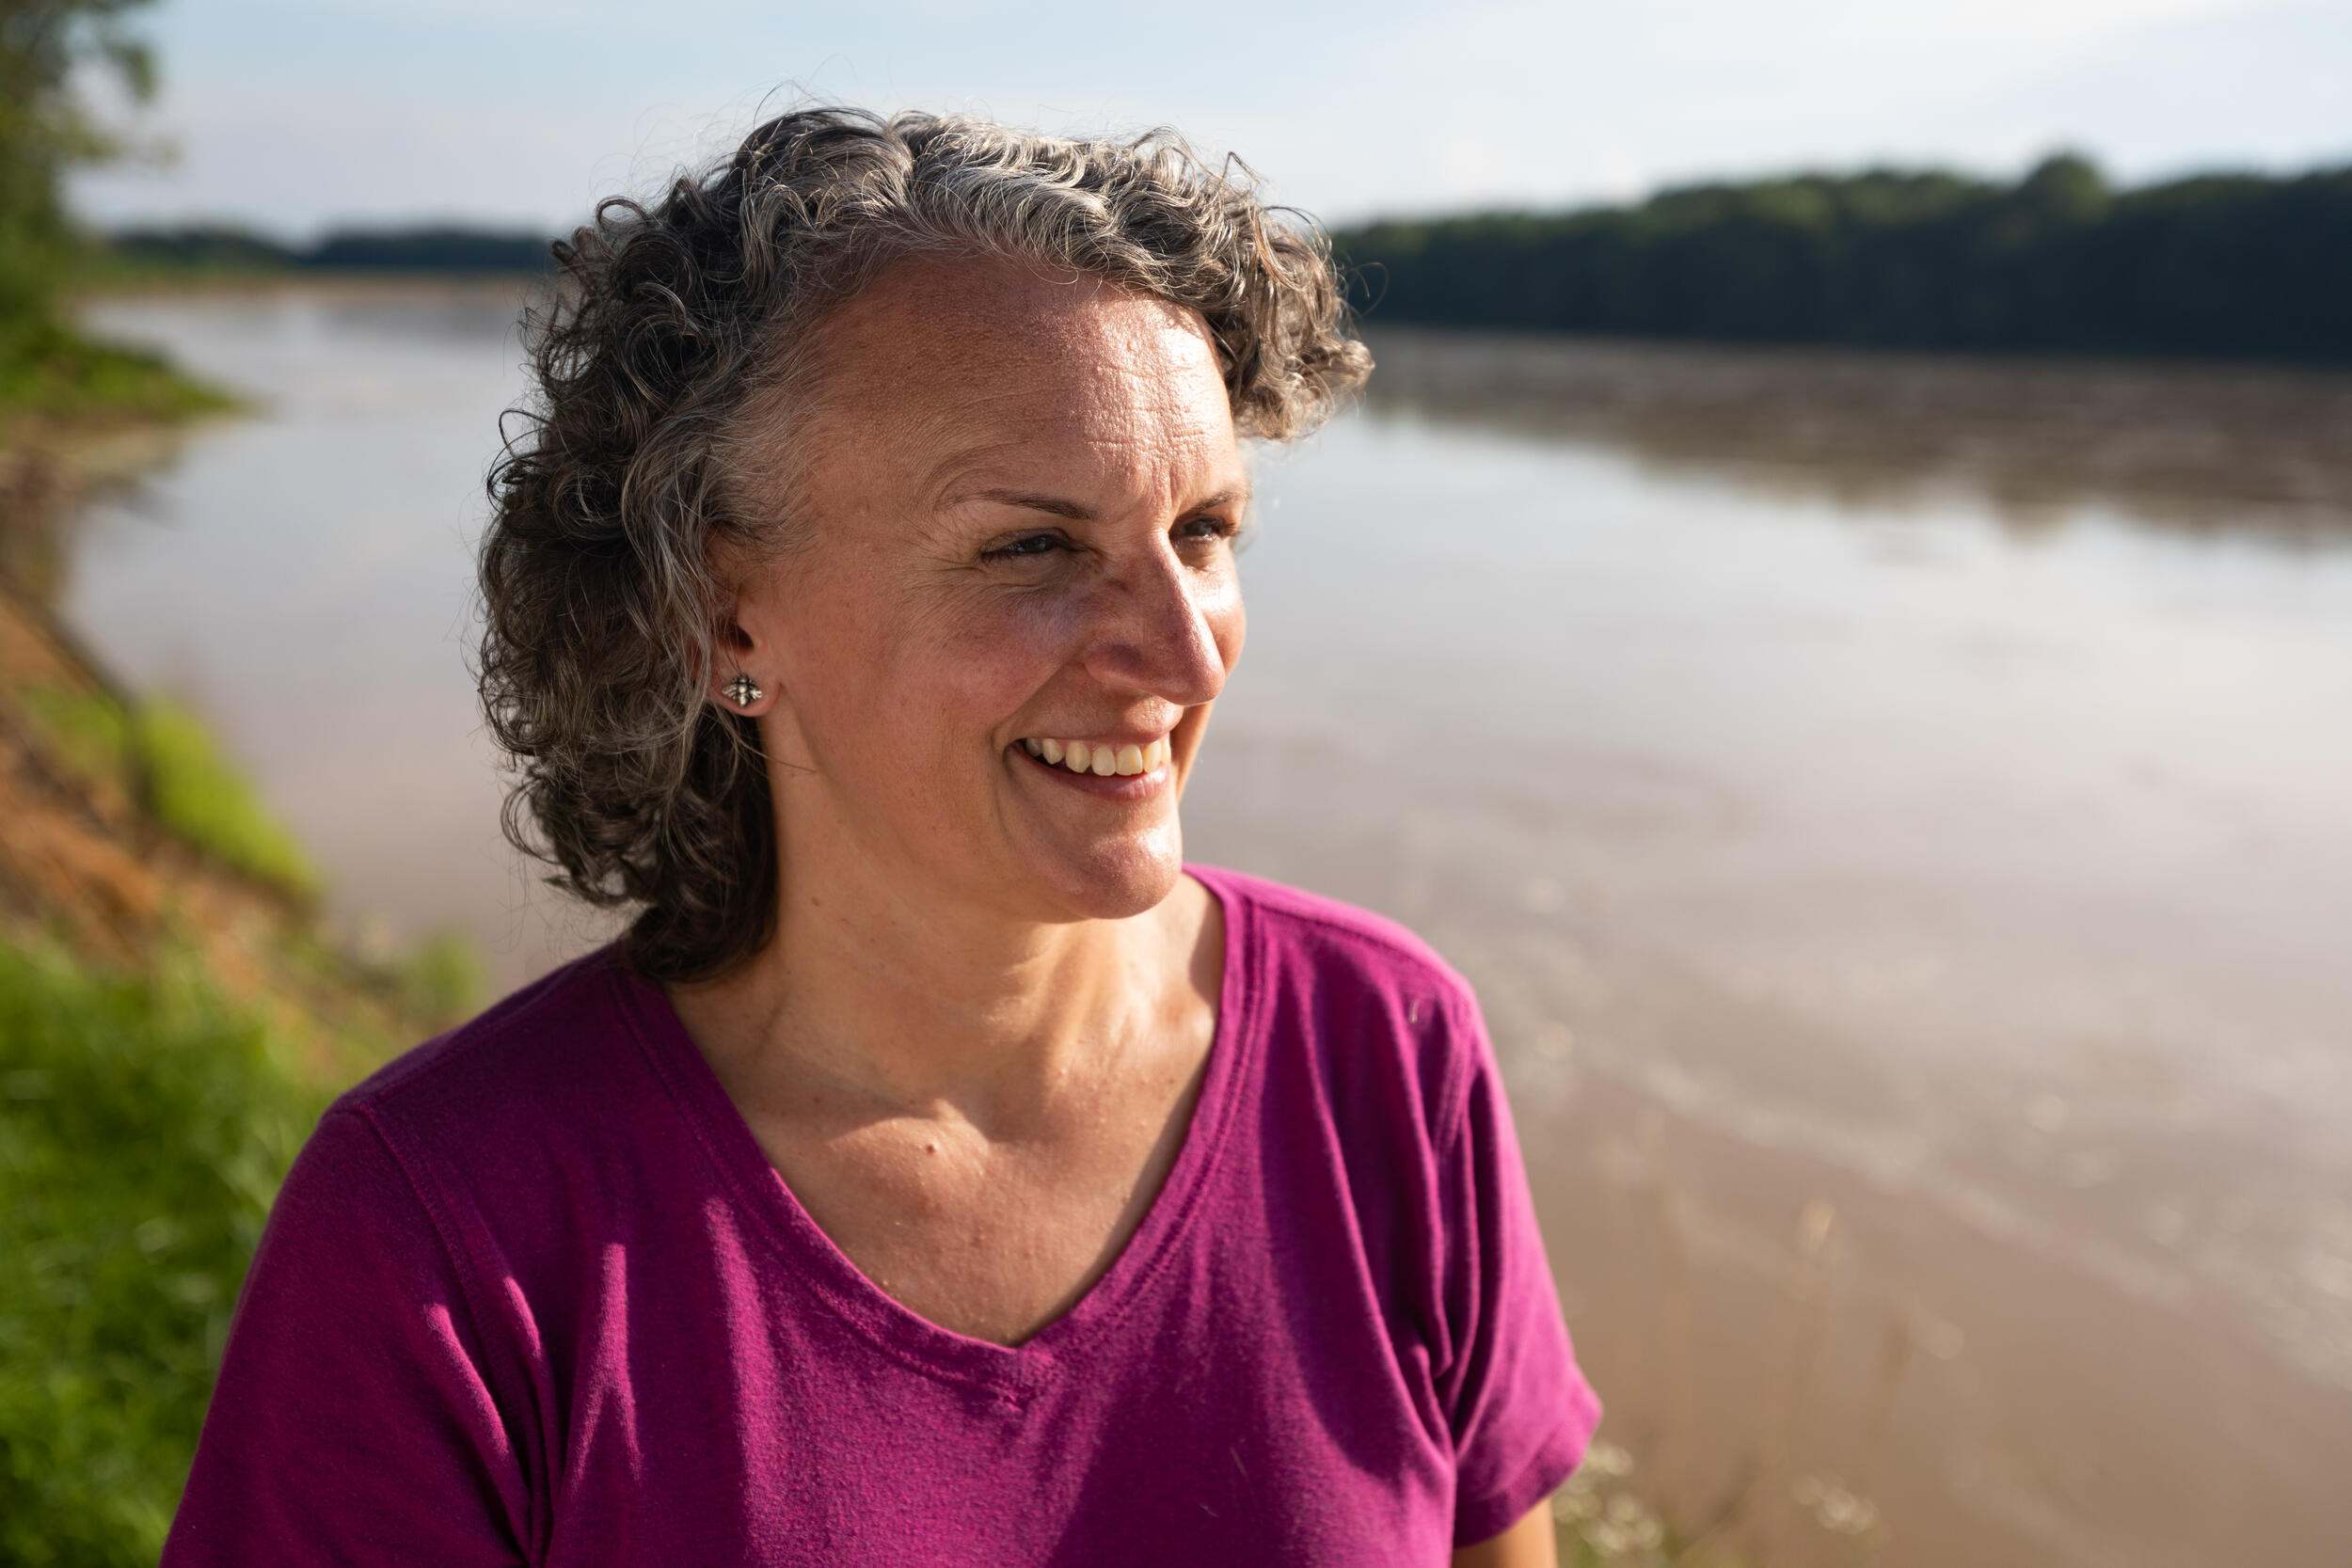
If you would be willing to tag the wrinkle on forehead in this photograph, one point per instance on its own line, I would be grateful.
(1013, 364)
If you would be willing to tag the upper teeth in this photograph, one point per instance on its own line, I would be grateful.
(1081, 756)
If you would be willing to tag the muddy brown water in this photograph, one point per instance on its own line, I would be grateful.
(1898, 813)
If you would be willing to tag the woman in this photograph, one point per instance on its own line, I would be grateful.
(939, 1170)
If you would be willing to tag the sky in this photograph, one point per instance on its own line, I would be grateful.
(293, 116)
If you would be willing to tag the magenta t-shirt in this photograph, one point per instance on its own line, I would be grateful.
(531, 1294)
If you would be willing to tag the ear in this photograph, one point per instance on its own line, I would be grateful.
(740, 677)
(748, 594)
(742, 670)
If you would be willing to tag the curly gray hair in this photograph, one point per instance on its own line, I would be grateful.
(668, 368)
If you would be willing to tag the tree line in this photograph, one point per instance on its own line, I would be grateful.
(430, 248)
(2239, 265)
(2220, 265)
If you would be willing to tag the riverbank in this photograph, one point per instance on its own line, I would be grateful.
(122, 829)
(78, 414)
(124, 835)
(131, 282)
(174, 1014)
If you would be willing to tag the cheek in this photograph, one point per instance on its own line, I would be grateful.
(834, 640)
(986, 652)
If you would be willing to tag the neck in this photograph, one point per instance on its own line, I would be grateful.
(881, 992)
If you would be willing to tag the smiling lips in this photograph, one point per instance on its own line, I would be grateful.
(1102, 758)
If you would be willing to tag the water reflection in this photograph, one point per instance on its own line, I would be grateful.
(2202, 448)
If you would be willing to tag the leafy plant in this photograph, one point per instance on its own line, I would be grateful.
(165, 755)
(145, 1125)
(201, 796)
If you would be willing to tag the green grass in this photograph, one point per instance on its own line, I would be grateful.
(437, 980)
(164, 754)
(145, 1125)
(50, 370)
(199, 796)
(441, 979)
(90, 733)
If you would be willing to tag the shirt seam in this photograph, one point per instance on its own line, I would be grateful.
(1245, 1042)
(1571, 1435)
(452, 1252)
(399, 1074)
(850, 1311)
(1456, 1109)
(1418, 959)
(1449, 993)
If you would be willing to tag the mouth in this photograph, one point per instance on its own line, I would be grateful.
(1110, 786)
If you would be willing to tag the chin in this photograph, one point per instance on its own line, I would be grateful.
(1128, 878)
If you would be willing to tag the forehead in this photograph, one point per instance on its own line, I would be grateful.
(943, 367)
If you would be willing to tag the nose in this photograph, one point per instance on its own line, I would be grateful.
(1164, 626)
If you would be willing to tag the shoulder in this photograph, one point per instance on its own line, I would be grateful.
(555, 1063)
(1363, 991)
(1297, 927)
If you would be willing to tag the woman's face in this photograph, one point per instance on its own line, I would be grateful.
(1022, 490)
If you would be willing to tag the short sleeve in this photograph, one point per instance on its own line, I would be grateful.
(1521, 1410)
(351, 1422)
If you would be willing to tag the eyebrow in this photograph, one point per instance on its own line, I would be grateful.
(1077, 511)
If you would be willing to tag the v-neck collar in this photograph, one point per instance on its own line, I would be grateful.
(896, 1328)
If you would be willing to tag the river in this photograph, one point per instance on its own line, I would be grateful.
(1896, 812)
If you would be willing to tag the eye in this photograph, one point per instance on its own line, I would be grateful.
(1217, 526)
(1033, 547)
(1019, 551)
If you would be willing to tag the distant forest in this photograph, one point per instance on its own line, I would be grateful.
(2224, 265)
(438, 248)
(2235, 265)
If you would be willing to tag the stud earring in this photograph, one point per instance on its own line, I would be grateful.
(742, 691)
